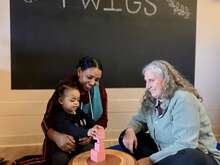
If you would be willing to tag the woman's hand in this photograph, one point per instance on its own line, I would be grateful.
(144, 161)
(85, 140)
(130, 139)
(63, 141)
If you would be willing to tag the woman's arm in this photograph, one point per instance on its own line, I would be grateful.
(138, 122)
(134, 126)
(130, 139)
(47, 120)
(63, 141)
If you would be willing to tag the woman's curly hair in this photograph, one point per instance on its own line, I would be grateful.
(172, 78)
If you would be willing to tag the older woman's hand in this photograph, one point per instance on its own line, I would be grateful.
(130, 139)
(144, 161)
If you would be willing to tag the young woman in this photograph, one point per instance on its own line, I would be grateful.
(93, 102)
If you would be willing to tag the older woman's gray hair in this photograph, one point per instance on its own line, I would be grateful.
(172, 78)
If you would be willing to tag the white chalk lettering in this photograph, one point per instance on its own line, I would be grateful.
(64, 3)
(29, 1)
(96, 5)
(132, 6)
(135, 11)
(154, 9)
(112, 7)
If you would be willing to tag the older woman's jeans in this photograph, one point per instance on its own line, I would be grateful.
(146, 147)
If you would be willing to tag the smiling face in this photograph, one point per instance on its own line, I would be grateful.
(154, 83)
(89, 77)
(70, 100)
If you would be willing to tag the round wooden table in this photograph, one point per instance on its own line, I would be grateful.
(112, 157)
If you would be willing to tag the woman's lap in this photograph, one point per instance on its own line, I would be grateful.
(146, 147)
(190, 157)
(60, 158)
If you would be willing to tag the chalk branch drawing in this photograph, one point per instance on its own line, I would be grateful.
(179, 9)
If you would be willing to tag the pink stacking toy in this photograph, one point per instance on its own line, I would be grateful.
(97, 154)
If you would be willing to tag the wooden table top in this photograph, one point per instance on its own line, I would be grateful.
(112, 157)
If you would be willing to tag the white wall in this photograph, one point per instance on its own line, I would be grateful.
(207, 79)
(22, 110)
(208, 51)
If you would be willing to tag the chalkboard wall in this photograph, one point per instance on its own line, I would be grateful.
(49, 36)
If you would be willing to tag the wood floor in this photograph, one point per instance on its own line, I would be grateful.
(12, 153)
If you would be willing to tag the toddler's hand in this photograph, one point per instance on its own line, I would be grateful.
(92, 132)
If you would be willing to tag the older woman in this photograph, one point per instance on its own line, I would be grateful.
(171, 127)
